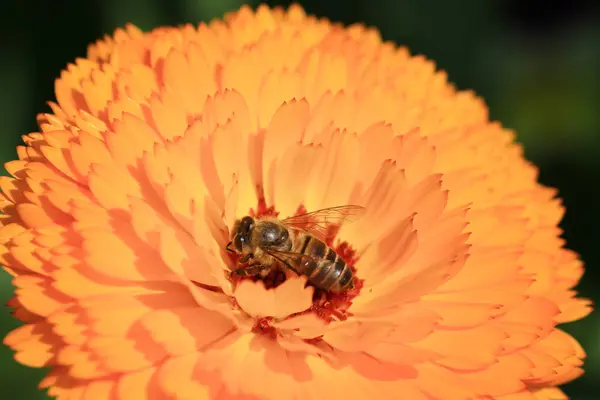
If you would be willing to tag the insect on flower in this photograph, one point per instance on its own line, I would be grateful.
(116, 216)
(297, 243)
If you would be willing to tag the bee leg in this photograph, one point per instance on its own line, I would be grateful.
(245, 259)
(251, 270)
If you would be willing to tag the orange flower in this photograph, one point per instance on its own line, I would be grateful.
(118, 212)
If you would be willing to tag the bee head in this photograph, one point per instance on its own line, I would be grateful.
(240, 238)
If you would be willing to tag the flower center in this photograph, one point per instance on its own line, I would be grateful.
(328, 305)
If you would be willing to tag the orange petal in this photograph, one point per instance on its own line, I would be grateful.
(137, 385)
(290, 297)
(285, 130)
(109, 255)
(183, 330)
(185, 258)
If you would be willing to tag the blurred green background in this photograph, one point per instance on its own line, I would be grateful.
(536, 63)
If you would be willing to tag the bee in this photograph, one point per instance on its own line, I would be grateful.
(296, 243)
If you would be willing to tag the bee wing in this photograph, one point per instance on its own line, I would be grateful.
(290, 258)
(319, 222)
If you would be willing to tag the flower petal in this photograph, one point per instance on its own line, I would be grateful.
(116, 216)
(289, 298)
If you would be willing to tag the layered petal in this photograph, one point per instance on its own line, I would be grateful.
(116, 217)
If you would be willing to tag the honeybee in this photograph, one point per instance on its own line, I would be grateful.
(297, 243)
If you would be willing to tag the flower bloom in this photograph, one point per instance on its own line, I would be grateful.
(117, 214)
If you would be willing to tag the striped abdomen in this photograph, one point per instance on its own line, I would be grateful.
(324, 268)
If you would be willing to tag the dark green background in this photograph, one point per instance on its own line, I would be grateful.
(536, 63)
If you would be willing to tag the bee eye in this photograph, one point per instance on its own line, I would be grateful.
(238, 242)
(246, 224)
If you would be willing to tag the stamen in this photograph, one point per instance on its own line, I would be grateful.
(262, 210)
(263, 326)
(301, 210)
